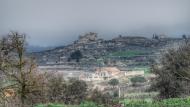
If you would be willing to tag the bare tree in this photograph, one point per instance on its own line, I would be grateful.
(18, 70)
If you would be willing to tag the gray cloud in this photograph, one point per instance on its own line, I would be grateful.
(58, 22)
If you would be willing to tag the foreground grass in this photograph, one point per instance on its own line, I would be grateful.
(55, 105)
(84, 104)
(141, 95)
(175, 102)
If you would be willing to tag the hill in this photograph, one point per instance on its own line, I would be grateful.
(120, 51)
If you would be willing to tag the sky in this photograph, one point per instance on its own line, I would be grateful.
(60, 22)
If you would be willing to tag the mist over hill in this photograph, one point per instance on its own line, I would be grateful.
(31, 48)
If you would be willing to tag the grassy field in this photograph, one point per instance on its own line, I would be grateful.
(127, 54)
(141, 95)
(55, 105)
(175, 102)
(146, 69)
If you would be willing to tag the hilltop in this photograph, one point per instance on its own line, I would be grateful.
(130, 51)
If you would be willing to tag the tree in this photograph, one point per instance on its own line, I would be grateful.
(77, 55)
(113, 82)
(173, 73)
(75, 92)
(70, 92)
(18, 70)
(185, 38)
(155, 36)
(56, 87)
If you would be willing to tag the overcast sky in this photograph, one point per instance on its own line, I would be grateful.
(59, 22)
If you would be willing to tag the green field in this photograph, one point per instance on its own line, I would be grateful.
(146, 69)
(55, 105)
(127, 54)
(174, 102)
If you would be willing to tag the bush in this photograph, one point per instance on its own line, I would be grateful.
(100, 98)
(113, 82)
(77, 55)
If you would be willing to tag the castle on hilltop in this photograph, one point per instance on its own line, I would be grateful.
(88, 37)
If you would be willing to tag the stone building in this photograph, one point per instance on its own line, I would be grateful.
(87, 38)
(100, 74)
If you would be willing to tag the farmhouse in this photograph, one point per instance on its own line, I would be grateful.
(104, 73)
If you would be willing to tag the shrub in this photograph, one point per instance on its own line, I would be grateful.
(113, 82)
(100, 98)
(77, 55)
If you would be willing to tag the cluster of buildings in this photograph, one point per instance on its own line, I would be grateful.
(99, 73)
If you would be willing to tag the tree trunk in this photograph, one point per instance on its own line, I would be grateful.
(23, 96)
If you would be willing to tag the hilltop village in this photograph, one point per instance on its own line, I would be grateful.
(125, 53)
